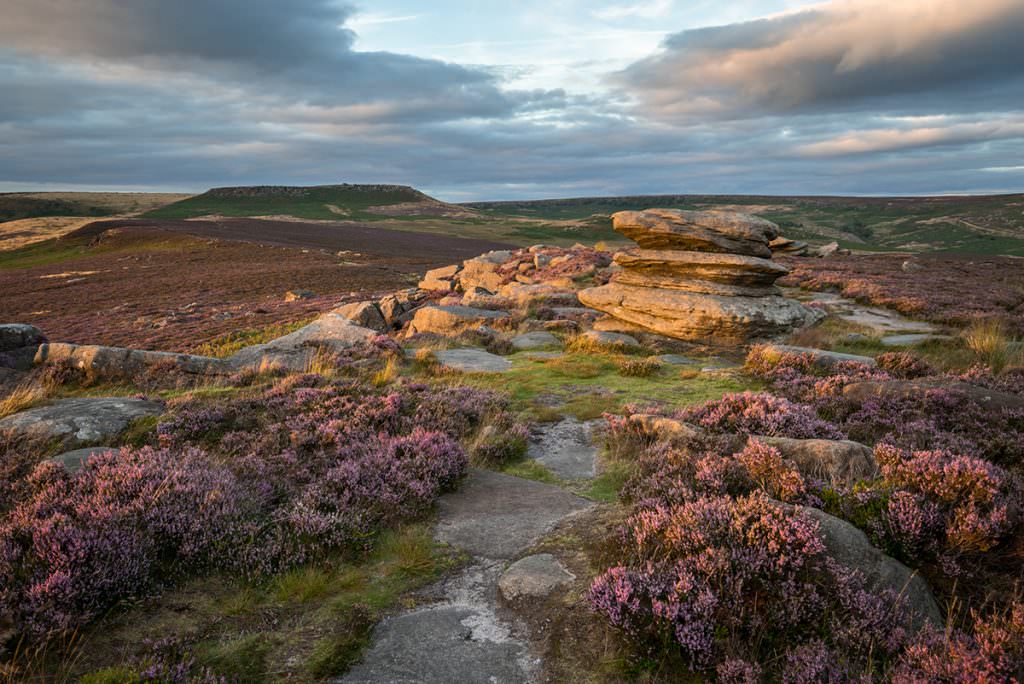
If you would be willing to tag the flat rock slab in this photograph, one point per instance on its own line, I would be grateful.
(566, 448)
(676, 360)
(81, 420)
(822, 357)
(460, 639)
(535, 340)
(611, 339)
(880, 320)
(472, 361)
(534, 577)
(73, 461)
(294, 351)
(499, 516)
(910, 339)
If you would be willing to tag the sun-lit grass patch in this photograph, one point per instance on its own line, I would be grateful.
(992, 343)
(24, 396)
(232, 342)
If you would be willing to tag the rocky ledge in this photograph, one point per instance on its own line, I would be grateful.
(699, 275)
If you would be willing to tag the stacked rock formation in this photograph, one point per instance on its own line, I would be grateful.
(699, 275)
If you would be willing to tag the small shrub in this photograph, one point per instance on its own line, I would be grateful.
(25, 396)
(990, 340)
(751, 413)
(904, 365)
(639, 368)
(500, 443)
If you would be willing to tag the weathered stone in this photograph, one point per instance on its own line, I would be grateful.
(535, 340)
(850, 547)
(72, 461)
(366, 314)
(823, 358)
(834, 461)
(902, 389)
(18, 335)
(784, 245)
(611, 339)
(730, 269)
(910, 339)
(295, 295)
(534, 577)
(699, 231)
(480, 272)
(566, 448)
(332, 332)
(541, 260)
(391, 308)
(704, 317)
(442, 279)
(676, 360)
(119, 363)
(81, 420)
(472, 361)
(523, 294)
(499, 516)
(696, 286)
(451, 320)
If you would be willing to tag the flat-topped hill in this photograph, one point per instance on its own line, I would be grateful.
(323, 202)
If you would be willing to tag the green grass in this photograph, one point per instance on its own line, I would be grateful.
(586, 385)
(42, 253)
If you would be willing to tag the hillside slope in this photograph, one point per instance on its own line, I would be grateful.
(323, 202)
(15, 206)
(981, 224)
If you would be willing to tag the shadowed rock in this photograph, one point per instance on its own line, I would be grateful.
(472, 361)
(834, 461)
(534, 577)
(331, 331)
(452, 320)
(566, 448)
(115, 363)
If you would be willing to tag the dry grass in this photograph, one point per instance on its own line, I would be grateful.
(639, 368)
(388, 373)
(992, 343)
(25, 396)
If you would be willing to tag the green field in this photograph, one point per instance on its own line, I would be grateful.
(23, 205)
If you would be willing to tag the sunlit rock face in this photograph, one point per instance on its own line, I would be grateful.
(699, 275)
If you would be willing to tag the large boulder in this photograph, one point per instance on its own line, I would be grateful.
(332, 332)
(842, 462)
(731, 269)
(700, 317)
(82, 420)
(365, 314)
(851, 548)
(481, 272)
(118, 363)
(452, 320)
(18, 336)
(442, 279)
(701, 231)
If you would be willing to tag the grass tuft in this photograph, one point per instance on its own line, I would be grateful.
(992, 343)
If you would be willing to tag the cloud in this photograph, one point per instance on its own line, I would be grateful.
(841, 55)
(894, 139)
(299, 50)
(644, 10)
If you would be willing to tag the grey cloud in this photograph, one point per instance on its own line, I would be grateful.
(846, 55)
(292, 51)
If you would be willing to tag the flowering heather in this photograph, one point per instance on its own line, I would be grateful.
(751, 413)
(992, 652)
(937, 505)
(719, 575)
(581, 261)
(254, 486)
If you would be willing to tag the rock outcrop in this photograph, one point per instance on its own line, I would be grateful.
(699, 275)
(78, 421)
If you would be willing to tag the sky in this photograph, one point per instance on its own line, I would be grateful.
(515, 100)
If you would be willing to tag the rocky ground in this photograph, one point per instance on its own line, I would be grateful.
(517, 575)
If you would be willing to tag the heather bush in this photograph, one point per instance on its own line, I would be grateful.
(638, 368)
(937, 506)
(719, 577)
(751, 413)
(254, 485)
(993, 651)
(903, 365)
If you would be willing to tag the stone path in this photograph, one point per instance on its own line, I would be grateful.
(566, 448)
(882, 321)
(463, 636)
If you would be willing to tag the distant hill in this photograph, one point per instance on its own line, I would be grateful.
(15, 206)
(980, 224)
(323, 202)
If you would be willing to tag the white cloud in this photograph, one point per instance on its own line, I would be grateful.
(643, 10)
